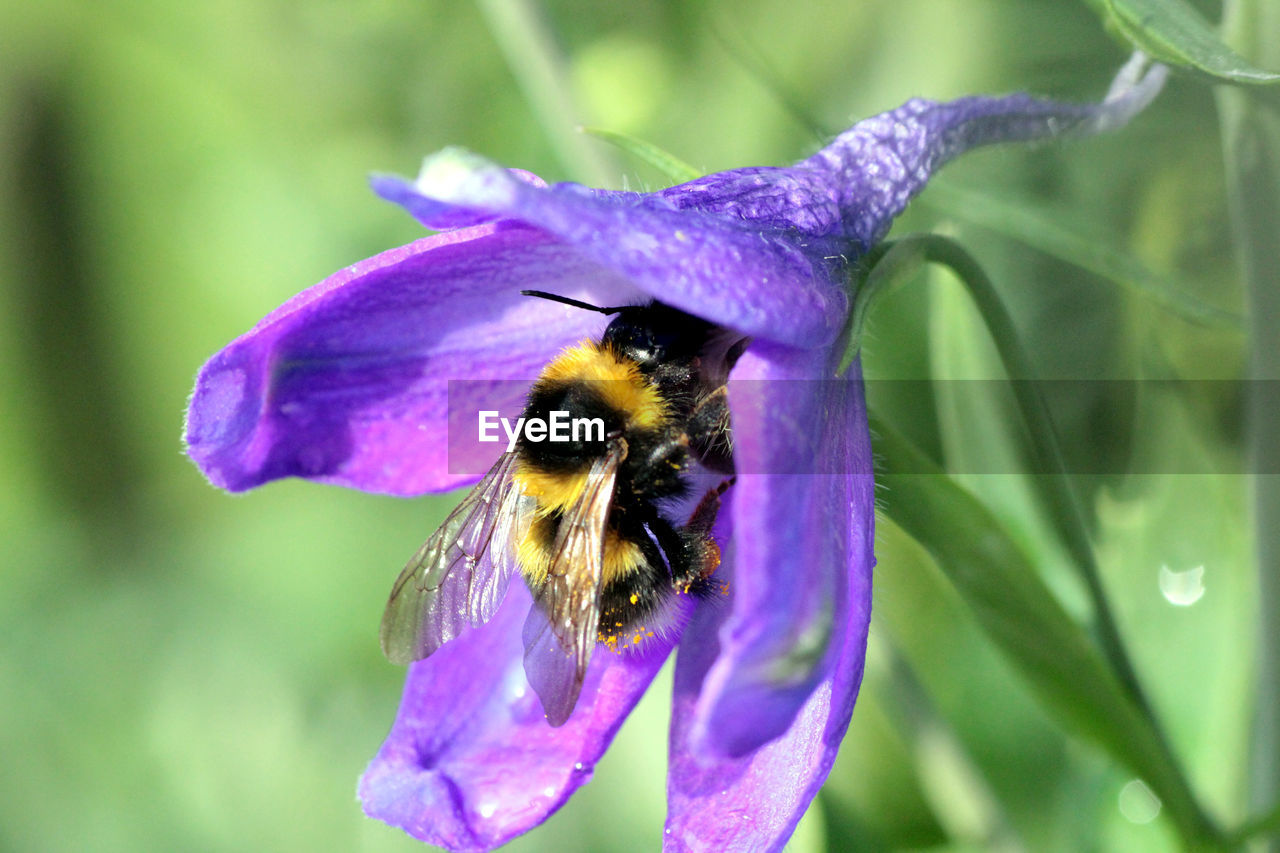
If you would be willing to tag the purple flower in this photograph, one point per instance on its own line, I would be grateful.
(346, 383)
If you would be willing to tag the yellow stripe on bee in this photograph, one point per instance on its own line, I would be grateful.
(622, 557)
(532, 554)
(554, 492)
(621, 384)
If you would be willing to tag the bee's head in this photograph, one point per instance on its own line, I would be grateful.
(650, 335)
(656, 334)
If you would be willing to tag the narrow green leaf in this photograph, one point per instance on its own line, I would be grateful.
(668, 164)
(1251, 149)
(1172, 31)
(896, 264)
(995, 577)
(977, 422)
(1040, 233)
(982, 435)
(1024, 620)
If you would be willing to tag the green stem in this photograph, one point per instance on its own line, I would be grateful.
(1082, 250)
(895, 266)
(1251, 147)
(540, 70)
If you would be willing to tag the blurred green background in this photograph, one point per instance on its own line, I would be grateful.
(185, 670)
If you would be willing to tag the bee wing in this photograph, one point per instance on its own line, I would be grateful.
(563, 624)
(459, 575)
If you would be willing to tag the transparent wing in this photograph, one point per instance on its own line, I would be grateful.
(561, 629)
(459, 576)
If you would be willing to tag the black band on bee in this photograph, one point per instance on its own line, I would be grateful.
(584, 400)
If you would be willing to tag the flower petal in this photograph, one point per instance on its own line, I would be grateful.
(760, 279)
(881, 163)
(803, 517)
(470, 762)
(756, 723)
(777, 197)
(754, 802)
(434, 214)
(347, 382)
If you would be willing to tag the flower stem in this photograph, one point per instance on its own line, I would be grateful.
(896, 265)
(1251, 147)
(540, 70)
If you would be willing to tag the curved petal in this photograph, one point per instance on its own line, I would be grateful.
(803, 516)
(436, 214)
(754, 802)
(760, 279)
(470, 762)
(348, 382)
(779, 197)
(774, 717)
(875, 167)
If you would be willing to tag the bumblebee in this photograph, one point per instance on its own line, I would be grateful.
(581, 520)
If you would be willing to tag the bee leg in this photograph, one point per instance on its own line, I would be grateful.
(709, 432)
(702, 550)
(691, 553)
(704, 514)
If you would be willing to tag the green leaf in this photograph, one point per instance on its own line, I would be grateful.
(1027, 226)
(992, 572)
(982, 438)
(1172, 31)
(995, 579)
(1251, 148)
(668, 164)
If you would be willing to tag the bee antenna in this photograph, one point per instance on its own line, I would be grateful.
(542, 294)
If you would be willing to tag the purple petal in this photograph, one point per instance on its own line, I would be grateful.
(803, 516)
(874, 168)
(754, 802)
(470, 762)
(761, 280)
(437, 215)
(762, 250)
(764, 690)
(776, 197)
(347, 382)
